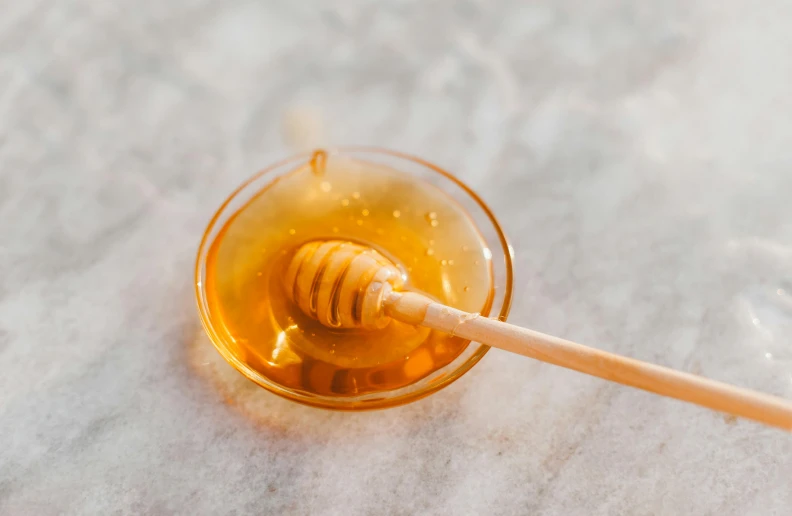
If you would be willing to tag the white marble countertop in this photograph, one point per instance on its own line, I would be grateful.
(638, 154)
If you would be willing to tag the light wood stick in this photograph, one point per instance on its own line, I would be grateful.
(416, 309)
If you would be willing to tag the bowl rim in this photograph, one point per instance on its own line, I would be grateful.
(325, 402)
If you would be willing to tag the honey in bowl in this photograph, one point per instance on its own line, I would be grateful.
(417, 226)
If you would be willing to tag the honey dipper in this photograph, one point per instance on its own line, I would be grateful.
(347, 285)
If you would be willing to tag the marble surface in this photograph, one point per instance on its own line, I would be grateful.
(637, 153)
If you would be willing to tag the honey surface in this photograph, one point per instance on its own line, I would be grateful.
(417, 226)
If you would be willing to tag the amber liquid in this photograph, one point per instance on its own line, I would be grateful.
(419, 227)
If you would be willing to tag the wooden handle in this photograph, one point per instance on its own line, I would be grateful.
(417, 309)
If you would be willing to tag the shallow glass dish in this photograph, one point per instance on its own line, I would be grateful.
(478, 212)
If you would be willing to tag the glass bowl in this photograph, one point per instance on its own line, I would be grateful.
(480, 214)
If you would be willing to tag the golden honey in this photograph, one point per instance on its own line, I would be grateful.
(417, 226)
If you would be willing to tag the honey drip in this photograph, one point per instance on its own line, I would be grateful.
(318, 161)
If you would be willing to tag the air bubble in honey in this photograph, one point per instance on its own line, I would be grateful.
(431, 218)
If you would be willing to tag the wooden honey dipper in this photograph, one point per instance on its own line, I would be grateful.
(347, 285)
